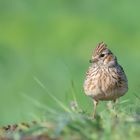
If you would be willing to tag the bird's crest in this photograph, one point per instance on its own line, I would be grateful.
(99, 48)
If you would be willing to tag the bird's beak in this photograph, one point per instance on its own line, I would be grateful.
(93, 60)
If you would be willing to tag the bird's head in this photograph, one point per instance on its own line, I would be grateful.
(103, 56)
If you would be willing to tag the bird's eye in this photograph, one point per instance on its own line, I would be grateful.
(102, 55)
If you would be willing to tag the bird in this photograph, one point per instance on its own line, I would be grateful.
(105, 79)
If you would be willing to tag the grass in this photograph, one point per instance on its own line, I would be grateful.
(77, 125)
(74, 123)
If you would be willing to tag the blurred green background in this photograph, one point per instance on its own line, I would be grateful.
(52, 40)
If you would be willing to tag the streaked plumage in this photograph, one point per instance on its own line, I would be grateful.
(105, 78)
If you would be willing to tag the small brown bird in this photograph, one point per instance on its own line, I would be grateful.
(105, 78)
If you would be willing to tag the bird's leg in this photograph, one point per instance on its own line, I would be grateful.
(95, 102)
(115, 101)
(114, 106)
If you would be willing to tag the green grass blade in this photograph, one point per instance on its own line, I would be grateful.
(51, 95)
(38, 104)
